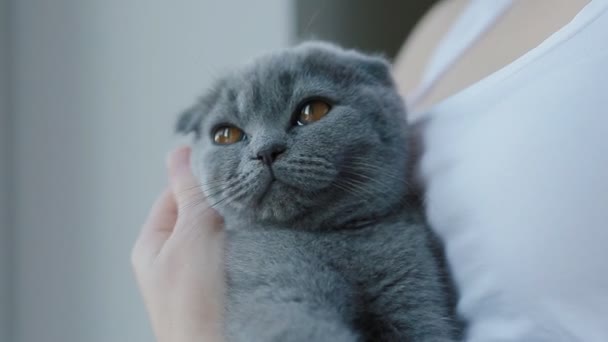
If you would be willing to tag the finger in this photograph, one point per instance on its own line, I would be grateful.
(162, 216)
(185, 186)
(157, 228)
(193, 209)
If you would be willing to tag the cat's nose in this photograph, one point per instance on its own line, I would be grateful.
(269, 154)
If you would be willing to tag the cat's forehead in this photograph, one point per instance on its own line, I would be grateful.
(271, 86)
(274, 83)
(278, 72)
(277, 85)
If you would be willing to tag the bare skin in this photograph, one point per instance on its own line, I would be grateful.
(523, 27)
(177, 260)
(178, 256)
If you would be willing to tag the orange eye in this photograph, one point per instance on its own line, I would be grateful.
(226, 135)
(313, 111)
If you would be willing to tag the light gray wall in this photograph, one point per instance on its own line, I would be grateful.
(5, 167)
(97, 88)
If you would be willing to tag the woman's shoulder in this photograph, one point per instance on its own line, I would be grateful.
(410, 62)
(517, 28)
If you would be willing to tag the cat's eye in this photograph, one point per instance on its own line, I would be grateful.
(312, 111)
(226, 135)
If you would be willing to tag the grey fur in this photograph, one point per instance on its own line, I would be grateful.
(334, 249)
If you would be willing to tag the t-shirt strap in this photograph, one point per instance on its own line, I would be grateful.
(475, 20)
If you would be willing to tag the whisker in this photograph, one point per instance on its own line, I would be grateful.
(370, 194)
(407, 198)
(215, 187)
(238, 193)
(203, 198)
(240, 188)
(199, 186)
(382, 185)
(358, 187)
(345, 187)
(372, 167)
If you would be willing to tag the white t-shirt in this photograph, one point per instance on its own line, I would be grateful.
(515, 169)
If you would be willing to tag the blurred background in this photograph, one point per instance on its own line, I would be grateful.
(89, 92)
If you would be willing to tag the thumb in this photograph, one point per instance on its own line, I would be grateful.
(191, 202)
(184, 185)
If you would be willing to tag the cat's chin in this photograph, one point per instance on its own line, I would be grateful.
(278, 202)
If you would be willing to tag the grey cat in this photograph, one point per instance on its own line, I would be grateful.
(304, 152)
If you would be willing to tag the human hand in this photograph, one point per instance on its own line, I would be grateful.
(178, 260)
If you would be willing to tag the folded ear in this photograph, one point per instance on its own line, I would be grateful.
(375, 66)
(190, 120)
